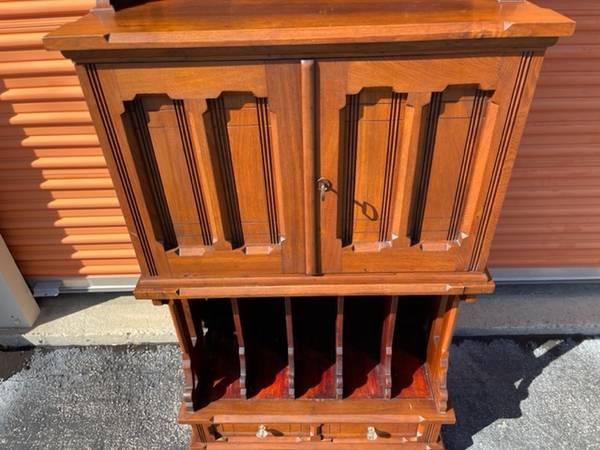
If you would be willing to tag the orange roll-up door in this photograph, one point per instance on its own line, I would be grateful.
(552, 212)
(59, 214)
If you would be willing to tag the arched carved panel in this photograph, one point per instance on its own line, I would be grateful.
(166, 160)
(450, 130)
(239, 135)
(369, 145)
(372, 130)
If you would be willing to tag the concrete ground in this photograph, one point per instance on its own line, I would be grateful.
(508, 394)
(94, 319)
(113, 319)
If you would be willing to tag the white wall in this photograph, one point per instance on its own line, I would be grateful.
(18, 308)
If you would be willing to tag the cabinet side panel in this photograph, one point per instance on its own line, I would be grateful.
(518, 109)
(111, 134)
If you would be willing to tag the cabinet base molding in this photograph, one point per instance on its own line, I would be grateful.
(317, 446)
(300, 285)
(301, 424)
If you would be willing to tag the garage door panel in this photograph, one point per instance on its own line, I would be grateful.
(551, 216)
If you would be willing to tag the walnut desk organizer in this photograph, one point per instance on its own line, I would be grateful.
(312, 186)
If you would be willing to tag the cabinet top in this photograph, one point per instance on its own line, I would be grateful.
(243, 23)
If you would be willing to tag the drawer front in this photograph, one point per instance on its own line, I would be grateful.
(285, 433)
(398, 432)
(262, 433)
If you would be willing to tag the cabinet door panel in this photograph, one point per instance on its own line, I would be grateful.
(415, 151)
(220, 186)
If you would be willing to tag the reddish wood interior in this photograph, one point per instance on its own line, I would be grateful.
(314, 342)
(313, 322)
(363, 327)
(409, 376)
(264, 329)
(219, 362)
(409, 356)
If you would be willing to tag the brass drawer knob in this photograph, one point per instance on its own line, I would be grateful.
(262, 432)
(371, 434)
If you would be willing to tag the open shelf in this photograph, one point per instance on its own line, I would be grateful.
(364, 370)
(266, 356)
(409, 354)
(315, 348)
(219, 363)
(352, 411)
(314, 321)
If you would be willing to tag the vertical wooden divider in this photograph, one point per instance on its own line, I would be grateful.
(387, 343)
(186, 346)
(339, 349)
(439, 346)
(441, 388)
(436, 331)
(189, 320)
(290, 347)
(308, 92)
(241, 346)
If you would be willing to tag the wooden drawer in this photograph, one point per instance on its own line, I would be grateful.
(369, 432)
(384, 436)
(258, 431)
(266, 434)
(284, 433)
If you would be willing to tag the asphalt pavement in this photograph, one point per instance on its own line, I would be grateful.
(517, 393)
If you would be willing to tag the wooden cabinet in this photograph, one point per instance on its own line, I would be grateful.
(313, 189)
(405, 176)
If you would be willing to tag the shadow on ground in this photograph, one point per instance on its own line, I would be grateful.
(488, 382)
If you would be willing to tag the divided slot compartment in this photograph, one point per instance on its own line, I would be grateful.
(410, 377)
(217, 350)
(367, 342)
(369, 347)
(314, 323)
(385, 347)
(264, 357)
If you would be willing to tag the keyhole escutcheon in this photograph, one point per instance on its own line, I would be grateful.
(323, 185)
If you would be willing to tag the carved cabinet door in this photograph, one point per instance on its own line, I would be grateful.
(208, 163)
(414, 157)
